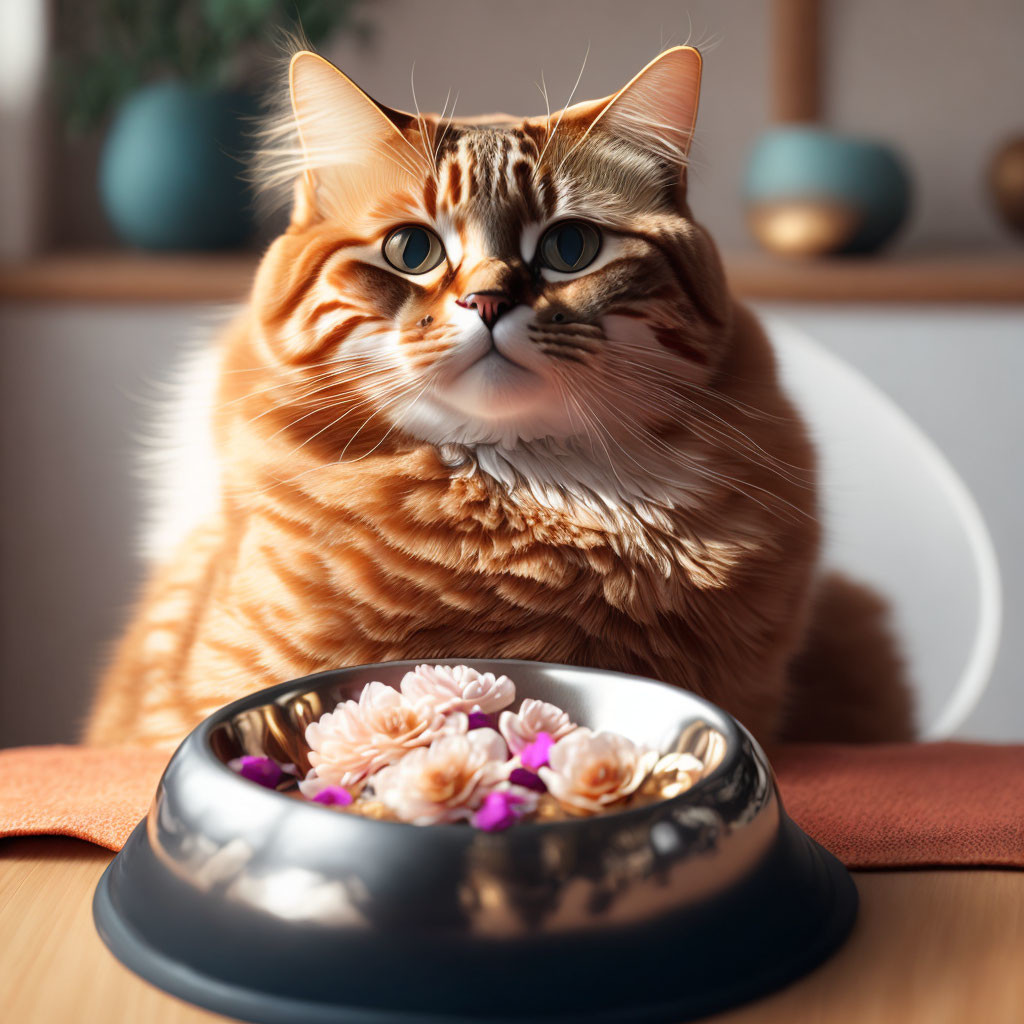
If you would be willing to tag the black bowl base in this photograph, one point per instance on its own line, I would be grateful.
(786, 917)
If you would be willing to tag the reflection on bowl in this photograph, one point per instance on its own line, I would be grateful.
(268, 908)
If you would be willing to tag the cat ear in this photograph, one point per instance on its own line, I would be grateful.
(347, 139)
(657, 110)
(338, 123)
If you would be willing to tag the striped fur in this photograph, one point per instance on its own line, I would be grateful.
(611, 477)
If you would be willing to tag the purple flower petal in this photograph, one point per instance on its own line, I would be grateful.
(497, 811)
(527, 779)
(536, 754)
(264, 771)
(333, 796)
(480, 720)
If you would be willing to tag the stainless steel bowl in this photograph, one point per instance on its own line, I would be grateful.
(260, 906)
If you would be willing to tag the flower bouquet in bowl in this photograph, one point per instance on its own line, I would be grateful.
(445, 746)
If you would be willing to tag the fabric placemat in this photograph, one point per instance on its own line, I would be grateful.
(908, 804)
(885, 806)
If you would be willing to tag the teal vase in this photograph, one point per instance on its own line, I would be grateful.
(862, 177)
(171, 168)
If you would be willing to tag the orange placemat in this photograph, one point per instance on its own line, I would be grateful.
(95, 794)
(899, 805)
(908, 804)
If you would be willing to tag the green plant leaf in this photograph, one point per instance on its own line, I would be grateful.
(105, 49)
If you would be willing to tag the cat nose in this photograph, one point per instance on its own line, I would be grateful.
(490, 305)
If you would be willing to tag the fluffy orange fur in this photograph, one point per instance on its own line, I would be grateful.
(378, 501)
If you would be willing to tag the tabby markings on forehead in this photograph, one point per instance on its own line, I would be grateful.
(498, 161)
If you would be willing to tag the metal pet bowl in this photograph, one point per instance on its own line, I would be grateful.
(263, 907)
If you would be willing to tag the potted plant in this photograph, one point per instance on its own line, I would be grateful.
(176, 79)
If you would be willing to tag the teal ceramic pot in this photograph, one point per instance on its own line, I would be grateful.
(170, 170)
(862, 177)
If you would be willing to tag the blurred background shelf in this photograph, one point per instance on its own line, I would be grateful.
(129, 276)
(121, 276)
(961, 276)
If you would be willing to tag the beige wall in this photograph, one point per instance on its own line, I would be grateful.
(943, 80)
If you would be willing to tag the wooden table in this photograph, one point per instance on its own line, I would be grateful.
(935, 947)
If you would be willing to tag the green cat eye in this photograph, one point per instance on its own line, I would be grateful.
(570, 246)
(413, 250)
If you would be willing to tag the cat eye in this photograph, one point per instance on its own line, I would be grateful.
(569, 246)
(413, 250)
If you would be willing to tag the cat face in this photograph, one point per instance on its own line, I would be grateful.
(495, 282)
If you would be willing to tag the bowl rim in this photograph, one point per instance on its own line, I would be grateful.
(734, 733)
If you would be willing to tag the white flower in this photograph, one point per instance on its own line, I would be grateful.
(520, 728)
(589, 771)
(359, 737)
(446, 781)
(312, 784)
(459, 689)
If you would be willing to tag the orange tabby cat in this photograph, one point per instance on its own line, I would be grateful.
(491, 398)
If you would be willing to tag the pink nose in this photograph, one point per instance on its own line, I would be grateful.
(490, 305)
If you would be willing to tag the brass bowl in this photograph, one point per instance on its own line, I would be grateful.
(803, 227)
(271, 909)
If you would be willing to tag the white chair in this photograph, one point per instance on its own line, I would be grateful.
(898, 518)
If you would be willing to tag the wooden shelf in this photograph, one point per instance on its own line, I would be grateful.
(982, 277)
(126, 276)
(136, 277)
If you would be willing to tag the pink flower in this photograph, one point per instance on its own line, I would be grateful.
(534, 717)
(589, 771)
(446, 781)
(527, 780)
(499, 810)
(334, 795)
(458, 689)
(262, 770)
(359, 737)
(538, 753)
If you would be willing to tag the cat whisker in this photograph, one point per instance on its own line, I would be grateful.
(543, 87)
(339, 375)
(317, 407)
(568, 103)
(328, 465)
(750, 411)
(386, 390)
(693, 418)
(402, 161)
(692, 414)
(280, 386)
(701, 469)
(444, 125)
(597, 429)
(421, 121)
(387, 434)
(278, 367)
(689, 407)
